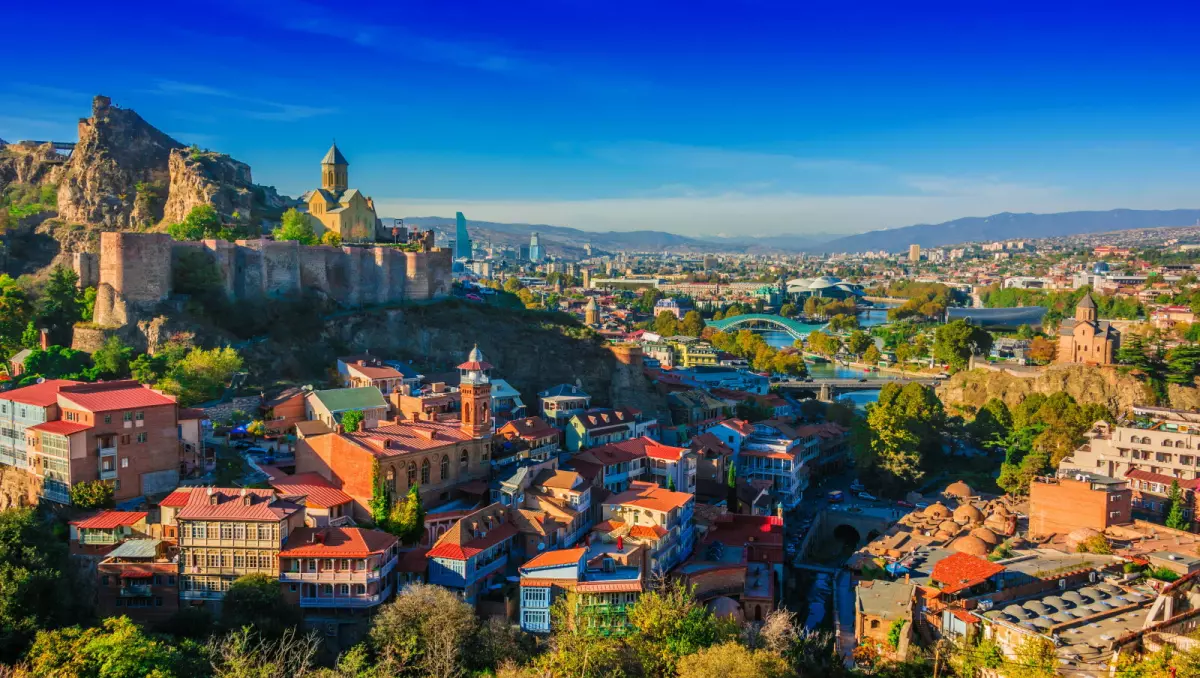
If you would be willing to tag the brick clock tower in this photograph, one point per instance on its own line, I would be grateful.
(476, 391)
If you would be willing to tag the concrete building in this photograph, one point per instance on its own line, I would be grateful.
(775, 452)
(462, 239)
(1063, 504)
(22, 408)
(914, 253)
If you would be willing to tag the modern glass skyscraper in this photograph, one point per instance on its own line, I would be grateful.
(462, 239)
(535, 248)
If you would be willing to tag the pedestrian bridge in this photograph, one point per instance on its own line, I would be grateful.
(797, 330)
(828, 389)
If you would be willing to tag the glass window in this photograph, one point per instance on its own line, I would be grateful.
(128, 416)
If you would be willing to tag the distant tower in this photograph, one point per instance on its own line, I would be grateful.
(587, 278)
(591, 312)
(1085, 310)
(535, 248)
(914, 253)
(587, 247)
(334, 175)
(475, 388)
(462, 239)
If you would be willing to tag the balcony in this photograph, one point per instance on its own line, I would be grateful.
(110, 451)
(110, 474)
(135, 591)
(332, 576)
(367, 600)
(201, 595)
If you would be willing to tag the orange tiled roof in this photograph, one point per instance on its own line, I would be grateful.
(319, 493)
(336, 542)
(396, 439)
(177, 499)
(650, 496)
(108, 520)
(647, 531)
(555, 558)
(963, 570)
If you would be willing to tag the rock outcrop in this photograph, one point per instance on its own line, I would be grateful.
(125, 174)
(1086, 384)
(117, 150)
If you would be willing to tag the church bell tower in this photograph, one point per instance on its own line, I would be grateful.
(334, 171)
(475, 388)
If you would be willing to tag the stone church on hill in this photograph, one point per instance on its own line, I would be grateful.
(1084, 339)
(337, 207)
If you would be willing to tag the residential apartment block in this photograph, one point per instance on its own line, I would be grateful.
(601, 426)
(661, 517)
(560, 403)
(338, 567)
(474, 552)
(775, 452)
(606, 578)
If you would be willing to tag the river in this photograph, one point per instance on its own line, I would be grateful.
(866, 319)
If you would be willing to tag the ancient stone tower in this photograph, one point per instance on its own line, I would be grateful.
(135, 276)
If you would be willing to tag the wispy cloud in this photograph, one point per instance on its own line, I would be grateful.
(715, 158)
(51, 92)
(247, 106)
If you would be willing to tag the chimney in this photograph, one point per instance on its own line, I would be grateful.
(247, 499)
(905, 577)
(620, 544)
(43, 338)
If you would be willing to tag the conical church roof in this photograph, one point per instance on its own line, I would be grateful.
(1087, 302)
(334, 157)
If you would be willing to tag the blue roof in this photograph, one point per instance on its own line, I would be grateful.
(999, 318)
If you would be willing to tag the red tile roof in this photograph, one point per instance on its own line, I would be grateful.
(209, 503)
(615, 453)
(650, 496)
(108, 520)
(44, 394)
(1147, 476)
(647, 531)
(177, 499)
(459, 544)
(60, 427)
(371, 372)
(396, 439)
(336, 542)
(556, 558)
(113, 395)
(963, 570)
(456, 552)
(740, 425)
(529, 428)
(659, 451)
(319, 493)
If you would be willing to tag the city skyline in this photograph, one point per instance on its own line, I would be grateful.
(753, 119)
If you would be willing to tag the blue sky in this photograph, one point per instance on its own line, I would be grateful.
(739, 117)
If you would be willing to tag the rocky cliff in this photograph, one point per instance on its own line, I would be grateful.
(1110, 387)
(126, 174)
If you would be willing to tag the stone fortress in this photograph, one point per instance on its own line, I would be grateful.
(133, 272)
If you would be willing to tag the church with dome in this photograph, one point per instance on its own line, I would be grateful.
(338, 208)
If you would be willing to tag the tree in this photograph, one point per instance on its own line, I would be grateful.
(665, 324)
(955, 342)
(787, 310)
(381, 498)
(146, 369)
(906, 426)
(57, 362)
(732, 660)
(669, 624)
(92, 494)
(513, 285)
(424, 631)
(992, 423)
(33, 567)
(15, 313)
(87, 303)
(871, 355)
(407, 518)
(842, 322)
(31, 338)
(1183, 364)
(1042, 351)
(352, 421)
(731, 498)
(60, 307)
(118, 648)
(1175, 503)
(1036, 658)
(582, 645)
(297, 226)
(331, 238)
(112, 359)
(201, 374)
(256, 429)
(200, 223)
(858, 341)
(247, 653)
(692, 325)
(812, 307)
(256, 600)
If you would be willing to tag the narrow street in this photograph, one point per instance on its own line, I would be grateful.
(843, 599)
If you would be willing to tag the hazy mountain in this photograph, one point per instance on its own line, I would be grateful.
(1007, 226)
(562, 240)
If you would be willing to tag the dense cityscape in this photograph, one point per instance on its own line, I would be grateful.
(607, 355)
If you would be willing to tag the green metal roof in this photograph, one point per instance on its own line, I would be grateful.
(136, 548)
(345, 399)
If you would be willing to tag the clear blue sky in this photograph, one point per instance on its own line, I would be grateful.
(736, 117)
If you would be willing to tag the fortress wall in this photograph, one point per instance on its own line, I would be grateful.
(281, 268)
(248, 270)
(428, 274)
(224, 256)
(315, 263)
(135, 270)
(87, 266)
(396, 265)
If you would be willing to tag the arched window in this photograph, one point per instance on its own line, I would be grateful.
(412, 474)
(874, 623)
(445, 467)
(391, 479)
(1166, 443)
(425, 472)
(1178, 443)
(463, 461)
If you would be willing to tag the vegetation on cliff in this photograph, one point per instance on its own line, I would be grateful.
(1061, 304)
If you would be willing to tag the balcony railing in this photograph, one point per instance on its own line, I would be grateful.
(135, 591)
(108, 475)
(106, 451)
(366, 600)
(290, 576)
(201, 595)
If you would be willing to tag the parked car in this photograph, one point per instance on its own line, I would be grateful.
(867, 496)
(906, 504)
(256, 450)
(836, 497)
(857, 486)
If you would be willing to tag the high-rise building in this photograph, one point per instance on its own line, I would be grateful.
(914, 253)
(462, 239)
(535, 248)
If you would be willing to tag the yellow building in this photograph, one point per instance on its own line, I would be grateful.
(696, 355)
(337, 207)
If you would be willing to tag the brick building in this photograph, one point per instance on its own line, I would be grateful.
(338, 567)
(139, 579)
(444, 458)
(117, 431)
(1070, 501)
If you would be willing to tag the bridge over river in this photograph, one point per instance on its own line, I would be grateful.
(797, 329)
(827, 389)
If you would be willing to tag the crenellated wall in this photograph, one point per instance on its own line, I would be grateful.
(135, 272)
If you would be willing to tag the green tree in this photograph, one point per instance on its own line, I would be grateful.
(57, 362)
(201, 374)
(256, 600)
(16, 311)
(425, 631)
(381, 498)
(992, 423)
(33, 577)
(842, 322)
(31, 337)
(297, 226)
(201, 222)
(331, 238)
(669, 624)
(871, 355)
(112, 359)
(60, 307)
(1036, 658)
(666, 324)
(407, 518)
(87, 304)
(731, 498)
(1175, 519)
(787, 310)
(1183, 364)
(256, 429)
(146, 369)
(583, 645)
(118, 648)
(955, 342)
(905, 427)
(92, 494)
(732, 660)
(858, 341)
(692, 325)
(352, 421)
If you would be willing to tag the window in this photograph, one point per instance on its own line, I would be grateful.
(292, 588)
(141, 416)
(226, 531)
(391, 480)
(425, 472)
(108, 418)
(412, 473)
(141, 437)
(128, 416)
(343, 589)
(445, 468)
(463, 461)
(124, 462)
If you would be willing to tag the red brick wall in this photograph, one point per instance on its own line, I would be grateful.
(160, 452)
(1059, 508)
(107, 594)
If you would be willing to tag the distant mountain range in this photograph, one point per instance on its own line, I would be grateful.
(569, 242)
(1007, 226)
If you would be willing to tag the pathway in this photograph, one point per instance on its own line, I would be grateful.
(843, 616)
